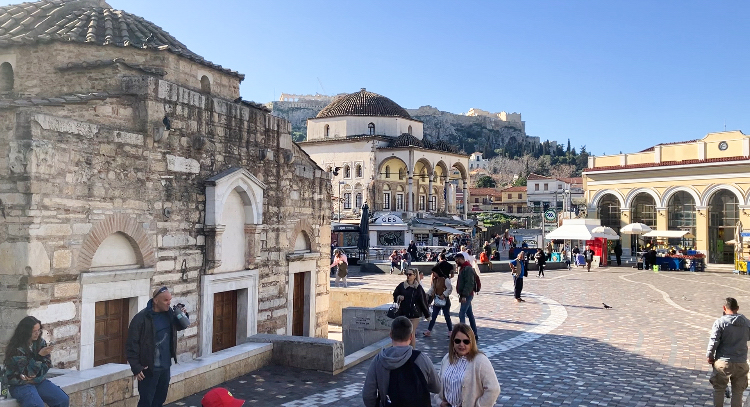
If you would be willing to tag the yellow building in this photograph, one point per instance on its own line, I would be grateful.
(701, 186)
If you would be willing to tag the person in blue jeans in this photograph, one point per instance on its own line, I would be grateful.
(27, 361)
(465, 290)
(518, 268)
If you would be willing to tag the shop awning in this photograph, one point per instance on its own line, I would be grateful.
(670, 234)
(578, 229)
(448, 229)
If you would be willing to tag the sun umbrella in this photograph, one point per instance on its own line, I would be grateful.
(635, 229)
(605, 230)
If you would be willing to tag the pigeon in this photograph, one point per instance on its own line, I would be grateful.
(167, 123)
(606, 306)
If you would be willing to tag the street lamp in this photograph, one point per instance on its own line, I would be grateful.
(341, 200)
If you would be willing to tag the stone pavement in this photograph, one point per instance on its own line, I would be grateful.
(561, 347)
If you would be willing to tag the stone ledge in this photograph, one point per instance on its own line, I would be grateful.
(118, 275)
(325, 355)
(182, 371)
(364, 354)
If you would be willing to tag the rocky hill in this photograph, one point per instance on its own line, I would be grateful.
(471, 133)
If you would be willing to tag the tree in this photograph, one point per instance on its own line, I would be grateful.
(485, 181)
(520, 182)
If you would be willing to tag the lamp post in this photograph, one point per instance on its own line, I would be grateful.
(341, 200)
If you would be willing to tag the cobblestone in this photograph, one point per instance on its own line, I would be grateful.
(561, 347)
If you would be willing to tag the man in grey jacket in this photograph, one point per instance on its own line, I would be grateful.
(389, 359)
(727, 353)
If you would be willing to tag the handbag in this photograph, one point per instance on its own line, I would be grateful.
(439, 302)
(392, 311)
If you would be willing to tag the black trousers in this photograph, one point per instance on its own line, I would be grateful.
(153, 388)
(517, 286)
(541, 270)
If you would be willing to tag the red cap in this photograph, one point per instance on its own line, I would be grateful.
(220, 397)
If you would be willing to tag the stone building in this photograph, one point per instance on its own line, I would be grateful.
(128, 162)
(698, 186)
(377, 153)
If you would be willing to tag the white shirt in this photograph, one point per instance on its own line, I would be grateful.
(453, 378)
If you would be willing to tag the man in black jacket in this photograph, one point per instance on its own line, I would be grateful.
(152, 344)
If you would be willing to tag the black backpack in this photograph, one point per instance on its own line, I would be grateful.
(407, 386)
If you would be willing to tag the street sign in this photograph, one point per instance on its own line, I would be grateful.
(550, 215)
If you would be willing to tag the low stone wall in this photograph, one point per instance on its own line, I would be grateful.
(341, 298)
(364, 326)
(325, 355)
(113, 385)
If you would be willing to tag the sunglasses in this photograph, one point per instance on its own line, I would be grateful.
(161, 290)
(465, 341)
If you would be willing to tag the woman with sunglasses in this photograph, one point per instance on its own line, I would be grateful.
(466, 374)
(411, 300)
(27, 361)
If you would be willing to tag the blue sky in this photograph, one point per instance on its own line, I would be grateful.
(613, 75)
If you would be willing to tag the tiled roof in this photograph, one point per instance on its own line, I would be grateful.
(363, 103)
(407, 140)
(88, 22)
(514, 189)
(667, 163)
(484, 191)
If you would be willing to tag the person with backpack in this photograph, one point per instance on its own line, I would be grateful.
(541, 260)
(518, 270)
(441, 289)
(467, 377)
(400, 376)
(466, 286)
(412, 300)
(27, 361)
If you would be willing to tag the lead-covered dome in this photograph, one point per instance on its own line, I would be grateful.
(91, 22)
(363, 103)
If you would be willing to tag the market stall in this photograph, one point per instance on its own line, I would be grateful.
(588, 231)
(671, 258)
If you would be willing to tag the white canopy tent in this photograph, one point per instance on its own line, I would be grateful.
(580, 229)
(670, 234)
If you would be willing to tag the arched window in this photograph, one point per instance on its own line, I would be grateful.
(358, 200)
(6, 77)
(358, 171)
(371, 127)
(609, 211)
(326, 131)
(347, 171)
(681, 212)
(401, 173)
(387, 171)
(205, 84)
(410, 130)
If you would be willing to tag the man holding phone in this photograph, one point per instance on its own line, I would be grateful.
(152, 344)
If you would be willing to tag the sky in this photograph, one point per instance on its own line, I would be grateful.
(615, 76)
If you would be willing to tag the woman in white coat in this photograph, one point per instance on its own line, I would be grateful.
(467, 376)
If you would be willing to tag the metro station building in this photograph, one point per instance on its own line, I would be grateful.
(701, 186)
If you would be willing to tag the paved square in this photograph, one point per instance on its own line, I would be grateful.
(561, 347)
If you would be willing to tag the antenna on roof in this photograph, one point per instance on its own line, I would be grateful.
(321, 87)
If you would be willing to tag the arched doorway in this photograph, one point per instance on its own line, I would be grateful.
(608, 211)
(642, 210)
(723, 212)
(681, 210)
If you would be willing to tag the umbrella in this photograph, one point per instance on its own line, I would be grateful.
(635, 229)
(363, 243)
(606, 230)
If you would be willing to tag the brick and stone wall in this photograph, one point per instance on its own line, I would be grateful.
(71, 174)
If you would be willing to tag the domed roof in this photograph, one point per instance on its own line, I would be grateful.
(88, 22)
(363, 103)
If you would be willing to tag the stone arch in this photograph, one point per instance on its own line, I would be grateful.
(425, 164)
(460, 167)
(440, 170)
(673, 190)
(7, 78)
(711, 190)
(599, 194)
(302, 227)
(115, 223)
(634, 192)
(205, 84)
(387, 162)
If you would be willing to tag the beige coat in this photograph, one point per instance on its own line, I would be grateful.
(480, 387)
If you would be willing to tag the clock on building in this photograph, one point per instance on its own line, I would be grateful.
(723, 145)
